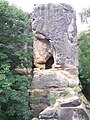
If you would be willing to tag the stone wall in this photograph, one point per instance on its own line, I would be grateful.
(55, 76)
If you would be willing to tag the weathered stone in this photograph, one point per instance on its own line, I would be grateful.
(55, 46)
(88, 110)
(57, 23)
(67, 113)
(42, 52)
(70, 102)
(23, 71)
(72, 70)
(48, 113)
(35, 119)
(54, 78)
(37, 108)
(39, 92)
(73, 82)
(64, 113)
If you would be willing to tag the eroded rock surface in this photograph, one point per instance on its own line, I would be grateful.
(55, 48)
(56, 23)
(65, 113)
(54, 78)
(42, 52)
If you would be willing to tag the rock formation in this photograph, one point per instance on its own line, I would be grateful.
(55, 80)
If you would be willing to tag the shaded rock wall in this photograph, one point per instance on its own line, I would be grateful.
(55, 78)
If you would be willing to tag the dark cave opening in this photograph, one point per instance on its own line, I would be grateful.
(49, 63)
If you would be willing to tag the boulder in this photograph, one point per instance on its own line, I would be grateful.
(48, 113)
(64, 113)
(73, 114)
(69, 102)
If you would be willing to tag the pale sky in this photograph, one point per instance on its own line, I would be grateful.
(27, 5)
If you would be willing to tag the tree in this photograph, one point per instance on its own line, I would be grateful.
(85, 14)
(14, 97)
(84, 55)
(84, 59)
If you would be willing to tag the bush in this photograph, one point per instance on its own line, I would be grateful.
(84, 61)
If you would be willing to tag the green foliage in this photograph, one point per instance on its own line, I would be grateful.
(84, 54)
(66, 92)
(86, 12)
(15, 50)
(84, 60)
(84, 100)
(14, 98)
(77, 89)
(52, 97)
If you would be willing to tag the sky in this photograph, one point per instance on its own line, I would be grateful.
(78, 5)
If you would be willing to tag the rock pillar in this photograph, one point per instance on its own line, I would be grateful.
(55, 80)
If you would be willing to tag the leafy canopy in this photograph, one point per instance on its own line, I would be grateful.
(15, 49)
(84, 56)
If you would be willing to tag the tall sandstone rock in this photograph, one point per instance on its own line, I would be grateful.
(55, 76)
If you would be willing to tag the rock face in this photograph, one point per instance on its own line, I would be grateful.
(54, 78)
(55, 75)
(65, 113)
(42, 52)
(57, 24)
(65, 109)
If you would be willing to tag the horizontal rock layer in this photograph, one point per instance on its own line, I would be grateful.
(54, 78)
